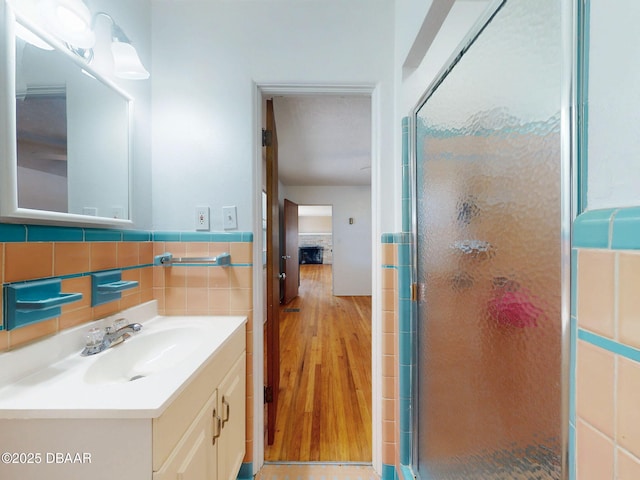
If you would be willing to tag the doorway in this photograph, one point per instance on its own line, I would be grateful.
(323, 296)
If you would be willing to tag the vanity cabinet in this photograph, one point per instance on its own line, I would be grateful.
(184, 422)
(213, 446)
(206, 442)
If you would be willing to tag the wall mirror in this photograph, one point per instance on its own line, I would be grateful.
(65, 132)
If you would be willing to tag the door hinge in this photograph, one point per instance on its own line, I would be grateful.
(268, 394)
(266, 137)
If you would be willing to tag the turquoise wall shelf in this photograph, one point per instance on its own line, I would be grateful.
(108, 286)
(32, 302)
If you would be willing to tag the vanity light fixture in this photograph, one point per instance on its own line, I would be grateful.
(126, 61)
(70, 21)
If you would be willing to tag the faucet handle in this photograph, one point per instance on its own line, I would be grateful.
(94, 337)
(116, 325)
(119, 323)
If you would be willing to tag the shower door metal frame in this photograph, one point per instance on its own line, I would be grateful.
(571, 202)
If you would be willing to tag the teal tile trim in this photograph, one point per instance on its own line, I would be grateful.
(387, 238)
(86, 274)
(136, 236)
(389, 472)
(166, 236)
(610, 345)
(573, 332)
(572, 452)
(617, 228)
(246, 471)
(13, 233)
(40, 233)
(406, 176)
(402, 237)
(102, 235)
(592, 228)
(626, 229)
(237, 237)
(10, 232)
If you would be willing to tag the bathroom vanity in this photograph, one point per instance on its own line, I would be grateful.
(168, 403)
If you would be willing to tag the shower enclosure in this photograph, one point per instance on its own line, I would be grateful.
(492, 210)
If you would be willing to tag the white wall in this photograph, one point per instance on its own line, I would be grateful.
(414, 82)
(314, 224)
(614, 105)
(135, 19)
(207, 59)
(352, 261)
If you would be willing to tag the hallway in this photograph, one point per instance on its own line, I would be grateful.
(324, 411)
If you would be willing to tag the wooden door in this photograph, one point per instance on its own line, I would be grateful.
(290, 252)
(273, 274)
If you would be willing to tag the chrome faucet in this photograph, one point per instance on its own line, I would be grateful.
(98, 340)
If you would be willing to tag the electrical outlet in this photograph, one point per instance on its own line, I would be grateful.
(229, 218)
(202, 218)
(93, 211)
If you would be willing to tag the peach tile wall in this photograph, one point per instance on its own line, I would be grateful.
(210, 290)
(180, 290)
(73, 261)
(607, 394)
(390, 393)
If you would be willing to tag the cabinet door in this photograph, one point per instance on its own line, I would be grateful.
(232, 408)
(194, 458)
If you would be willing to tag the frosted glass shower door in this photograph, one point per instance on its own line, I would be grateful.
(489, 235)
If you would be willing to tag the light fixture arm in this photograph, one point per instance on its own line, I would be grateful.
(127, 64)
(117, 34)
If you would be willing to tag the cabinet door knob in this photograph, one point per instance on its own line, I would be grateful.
(225, 417)
(217, 427)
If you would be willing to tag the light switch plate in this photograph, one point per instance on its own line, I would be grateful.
(229, 218)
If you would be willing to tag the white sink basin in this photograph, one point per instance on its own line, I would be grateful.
(141, 355)
(135, 379)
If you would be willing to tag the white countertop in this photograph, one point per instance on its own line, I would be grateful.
(50, 379)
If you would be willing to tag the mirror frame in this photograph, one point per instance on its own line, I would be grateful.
(9, 210)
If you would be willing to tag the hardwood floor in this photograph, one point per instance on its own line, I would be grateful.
(324, 411)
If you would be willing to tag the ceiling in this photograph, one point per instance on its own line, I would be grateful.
(323, 140)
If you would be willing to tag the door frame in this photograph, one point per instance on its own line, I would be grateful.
(260, 91)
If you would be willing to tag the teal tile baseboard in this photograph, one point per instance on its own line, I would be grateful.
(246, 471)
(389, 472)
